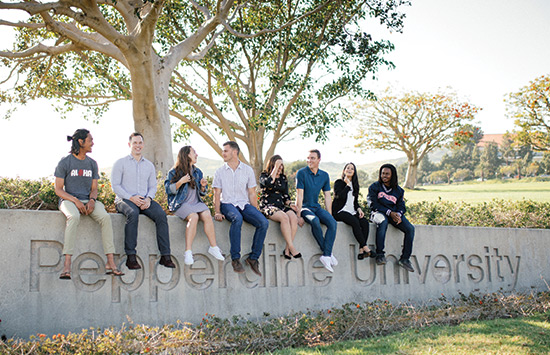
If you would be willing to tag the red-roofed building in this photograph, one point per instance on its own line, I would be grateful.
(488, 138)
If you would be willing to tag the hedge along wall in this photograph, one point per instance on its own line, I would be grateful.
(447, 259)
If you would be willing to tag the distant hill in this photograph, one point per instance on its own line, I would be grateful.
(209, 166)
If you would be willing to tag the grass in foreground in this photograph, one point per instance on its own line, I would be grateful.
(500, 336)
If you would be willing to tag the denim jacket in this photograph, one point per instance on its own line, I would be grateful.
(176, 197)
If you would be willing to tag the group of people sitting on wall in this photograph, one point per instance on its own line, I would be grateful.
(133, 180)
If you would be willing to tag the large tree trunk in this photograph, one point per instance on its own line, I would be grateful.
(151, 114)
(410, 181)
(255, 147)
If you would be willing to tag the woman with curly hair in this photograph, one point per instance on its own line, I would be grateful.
(276, 205)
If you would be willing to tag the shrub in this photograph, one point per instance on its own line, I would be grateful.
(40, 195)
(27, 194)
(351, 321)
(496, 213)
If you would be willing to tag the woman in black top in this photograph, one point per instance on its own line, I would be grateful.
(276, 205)
(345, 208)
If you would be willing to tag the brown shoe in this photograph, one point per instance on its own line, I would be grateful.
(166, 261)
(237, 266)
(131, 262)
(254, 265)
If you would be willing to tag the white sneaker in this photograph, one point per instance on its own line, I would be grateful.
(325, 260)
(333, 260)
(188, 257)
(216, 252)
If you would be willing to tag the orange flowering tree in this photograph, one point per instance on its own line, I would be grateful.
(414, 123)
(530, 107)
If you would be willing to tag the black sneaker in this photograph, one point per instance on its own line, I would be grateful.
(132, 263)
(381, 260)
(406, 264)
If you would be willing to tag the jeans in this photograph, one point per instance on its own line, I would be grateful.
(99, 215)
(249, 214)
(315, 216)
(359, 226)
(405, 226)
(132, 212)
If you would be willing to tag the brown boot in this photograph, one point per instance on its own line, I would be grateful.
(254, 265)
(237, 266)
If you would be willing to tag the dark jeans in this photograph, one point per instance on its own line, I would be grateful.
(249, 214)
(315, 216)
(132, 212)
(405, 226)
(360, 226)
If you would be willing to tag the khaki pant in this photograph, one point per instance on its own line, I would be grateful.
(99, 215)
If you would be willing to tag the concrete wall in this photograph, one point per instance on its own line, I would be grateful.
(449, 259)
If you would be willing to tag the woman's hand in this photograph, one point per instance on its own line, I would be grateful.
(204, 182)
(276, 168)
(347, 180)
(361, 213)
(185, 179)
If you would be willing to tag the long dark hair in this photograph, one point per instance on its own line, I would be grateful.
(183, 166)
(271, 164)
(78, 134)
(393, 179)
(354, 178)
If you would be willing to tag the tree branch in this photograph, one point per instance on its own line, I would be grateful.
(265, 31)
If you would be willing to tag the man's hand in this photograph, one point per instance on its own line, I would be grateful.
(90, 207)
(301, 221)
(137, 200)
(219, 217)
(396, 217)
(81, 207)
(146, 203)
(361, 213)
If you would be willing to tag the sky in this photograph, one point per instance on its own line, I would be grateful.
(482, 49)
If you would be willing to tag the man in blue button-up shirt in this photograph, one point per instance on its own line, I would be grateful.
(135, 185)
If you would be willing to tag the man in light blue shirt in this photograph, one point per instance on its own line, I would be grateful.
(134, 182)
(235, 199)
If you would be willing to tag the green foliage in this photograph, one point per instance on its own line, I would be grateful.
(530, 107)
(40, 195)
(27, 194)
(238, 334)
(496, 213)
(268, 86)
(414, 123)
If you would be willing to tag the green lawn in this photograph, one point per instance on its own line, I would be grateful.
(477, 192)
(501, 336)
